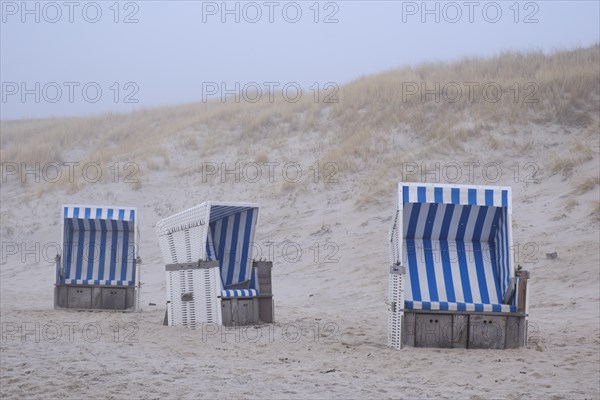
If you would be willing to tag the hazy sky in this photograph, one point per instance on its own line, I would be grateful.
(80, 57)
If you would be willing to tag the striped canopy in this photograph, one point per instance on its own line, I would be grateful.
(99, 245)
(229, 240)
(455, 246)
(228, 237)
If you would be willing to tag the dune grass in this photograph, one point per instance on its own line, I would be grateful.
(377, 123)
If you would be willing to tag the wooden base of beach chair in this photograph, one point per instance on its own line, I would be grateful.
(240, 311)
(266, 305)
(469, 330)
(91, 297)
(266, 308)
(247, 310)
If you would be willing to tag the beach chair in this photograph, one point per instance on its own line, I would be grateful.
(453, 282)
(99, 265)
(211, 276)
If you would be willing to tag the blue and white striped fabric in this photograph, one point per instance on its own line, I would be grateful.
(458, 195)
(456, 247)
(239, 293)
(501, 241)
(252, 291)
(230, 240)
(98, 245)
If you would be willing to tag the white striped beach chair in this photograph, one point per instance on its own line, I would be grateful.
(453, 282)
(211, 277)
(99, 264)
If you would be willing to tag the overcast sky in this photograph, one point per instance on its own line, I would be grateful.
(76, 58)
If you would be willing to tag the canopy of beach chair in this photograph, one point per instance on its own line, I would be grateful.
(455, 244)
(98, 245)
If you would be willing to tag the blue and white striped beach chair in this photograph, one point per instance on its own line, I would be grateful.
(99, 264)
(211, 277)
(453, 282)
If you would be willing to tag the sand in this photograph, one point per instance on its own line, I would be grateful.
(330, 337)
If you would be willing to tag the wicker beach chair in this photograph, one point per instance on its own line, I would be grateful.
(99, 265)
(211, 277)
(453, 282)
